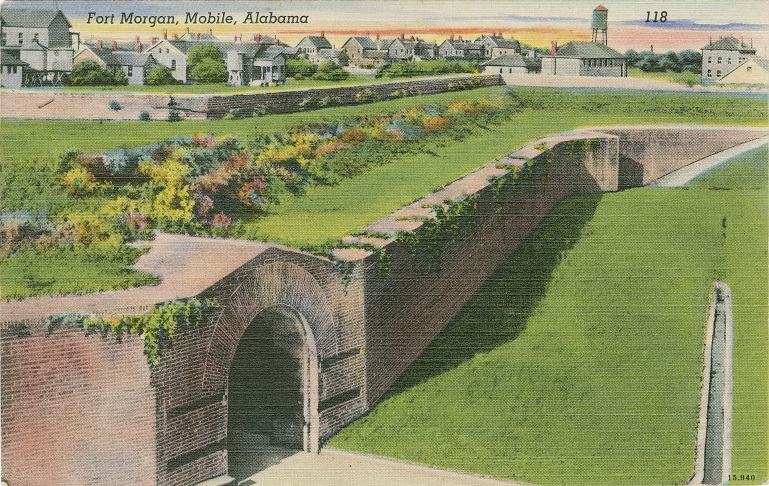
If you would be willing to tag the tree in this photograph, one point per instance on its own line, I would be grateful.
(160, 75)
(328, 71)
(89, 73)
(691, 60)
(206, 64)
(300, 68)
(209, 71)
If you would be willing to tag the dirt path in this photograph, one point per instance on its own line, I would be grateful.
(335, 467)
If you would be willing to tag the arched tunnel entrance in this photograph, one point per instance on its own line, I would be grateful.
(272, 393)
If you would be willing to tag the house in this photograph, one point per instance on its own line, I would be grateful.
(310, 47)
(364, 52)
(173, 55)
(401, 49)
(584, 59)
(41, 39)
(719, 58)
(459, 49)
(135, 65)
(495, 45)
(11, 71)
(425, 51)
(754, 70)
(507, 64)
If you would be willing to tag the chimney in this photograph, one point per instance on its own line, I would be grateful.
(197, 37)
(412, 38)
(460, 38)
(114, 45)
(403, 36)
(452, 36)
(98, 44)
(258, 38)
(138, 47)
(377, 36)
(152, 41)
(652, 49)
(176, 36)
(188, 30)
(165, 35)
(322, 34)
(240, 37)
(276, 43)
(236, 37)
(553, 48)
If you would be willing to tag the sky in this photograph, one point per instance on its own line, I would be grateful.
(689, 24)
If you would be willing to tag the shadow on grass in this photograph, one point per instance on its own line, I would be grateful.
(498, 312)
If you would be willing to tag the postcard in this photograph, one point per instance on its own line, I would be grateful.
(384, 242)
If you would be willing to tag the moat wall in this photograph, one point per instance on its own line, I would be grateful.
(87, 410)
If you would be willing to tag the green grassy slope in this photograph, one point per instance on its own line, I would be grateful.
(579, 360)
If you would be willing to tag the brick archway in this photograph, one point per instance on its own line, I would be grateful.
(292, 291)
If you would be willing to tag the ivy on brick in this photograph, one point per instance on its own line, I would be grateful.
(157, 327)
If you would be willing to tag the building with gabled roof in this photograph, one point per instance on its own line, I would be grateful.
(496, 45)
(754, 70)
(460, 49)
(40, 38)
(311, 46)
(11, 70)
(135, 65)
(719, 58)
(581, 58)
(364, 52)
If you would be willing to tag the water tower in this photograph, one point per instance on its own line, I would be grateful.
(600, 16)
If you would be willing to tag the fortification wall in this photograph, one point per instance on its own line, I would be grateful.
(76, 409)
(86, 410)
(291, 101)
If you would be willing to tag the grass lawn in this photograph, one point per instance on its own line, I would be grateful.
(579, 360)
(66, 270)
(27, 179)
(686, 77)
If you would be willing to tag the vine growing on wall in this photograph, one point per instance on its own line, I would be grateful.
(451, 220)
(157, 327)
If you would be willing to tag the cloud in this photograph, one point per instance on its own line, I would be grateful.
(693, 25)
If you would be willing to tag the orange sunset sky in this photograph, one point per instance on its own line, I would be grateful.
(690, 24)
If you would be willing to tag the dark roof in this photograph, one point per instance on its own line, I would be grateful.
(384, 43)
(729, 44)
(507, 60)
(588, 50)
(499, 41)
(761, 61)
(319, 41)
(6, 59)
(30, 18)
(126, 58)
(269, 53)
(365, 42)
(329, 53)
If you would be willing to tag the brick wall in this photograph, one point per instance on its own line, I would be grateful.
(290, 101)
(76, 410)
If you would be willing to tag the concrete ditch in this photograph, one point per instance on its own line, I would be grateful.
(714, 433)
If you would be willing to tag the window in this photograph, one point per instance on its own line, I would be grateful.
(710, 73)
(719, 60)
(14, 69)
(130, 71)
(728, 60)
(173, 64)
(710, 60)
(718, 73)
(3, 38)
(36, 38)
(750, 69)
(21, 38)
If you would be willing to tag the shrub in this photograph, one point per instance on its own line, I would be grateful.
(366, 96)
(144, 116)
(209, 71)
(426, 68)
(300, 68)
(328, 71)
(114, 105)
(174, 116)
(160, 75)
(89, 73)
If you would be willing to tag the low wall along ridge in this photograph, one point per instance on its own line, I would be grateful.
(352, 323)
